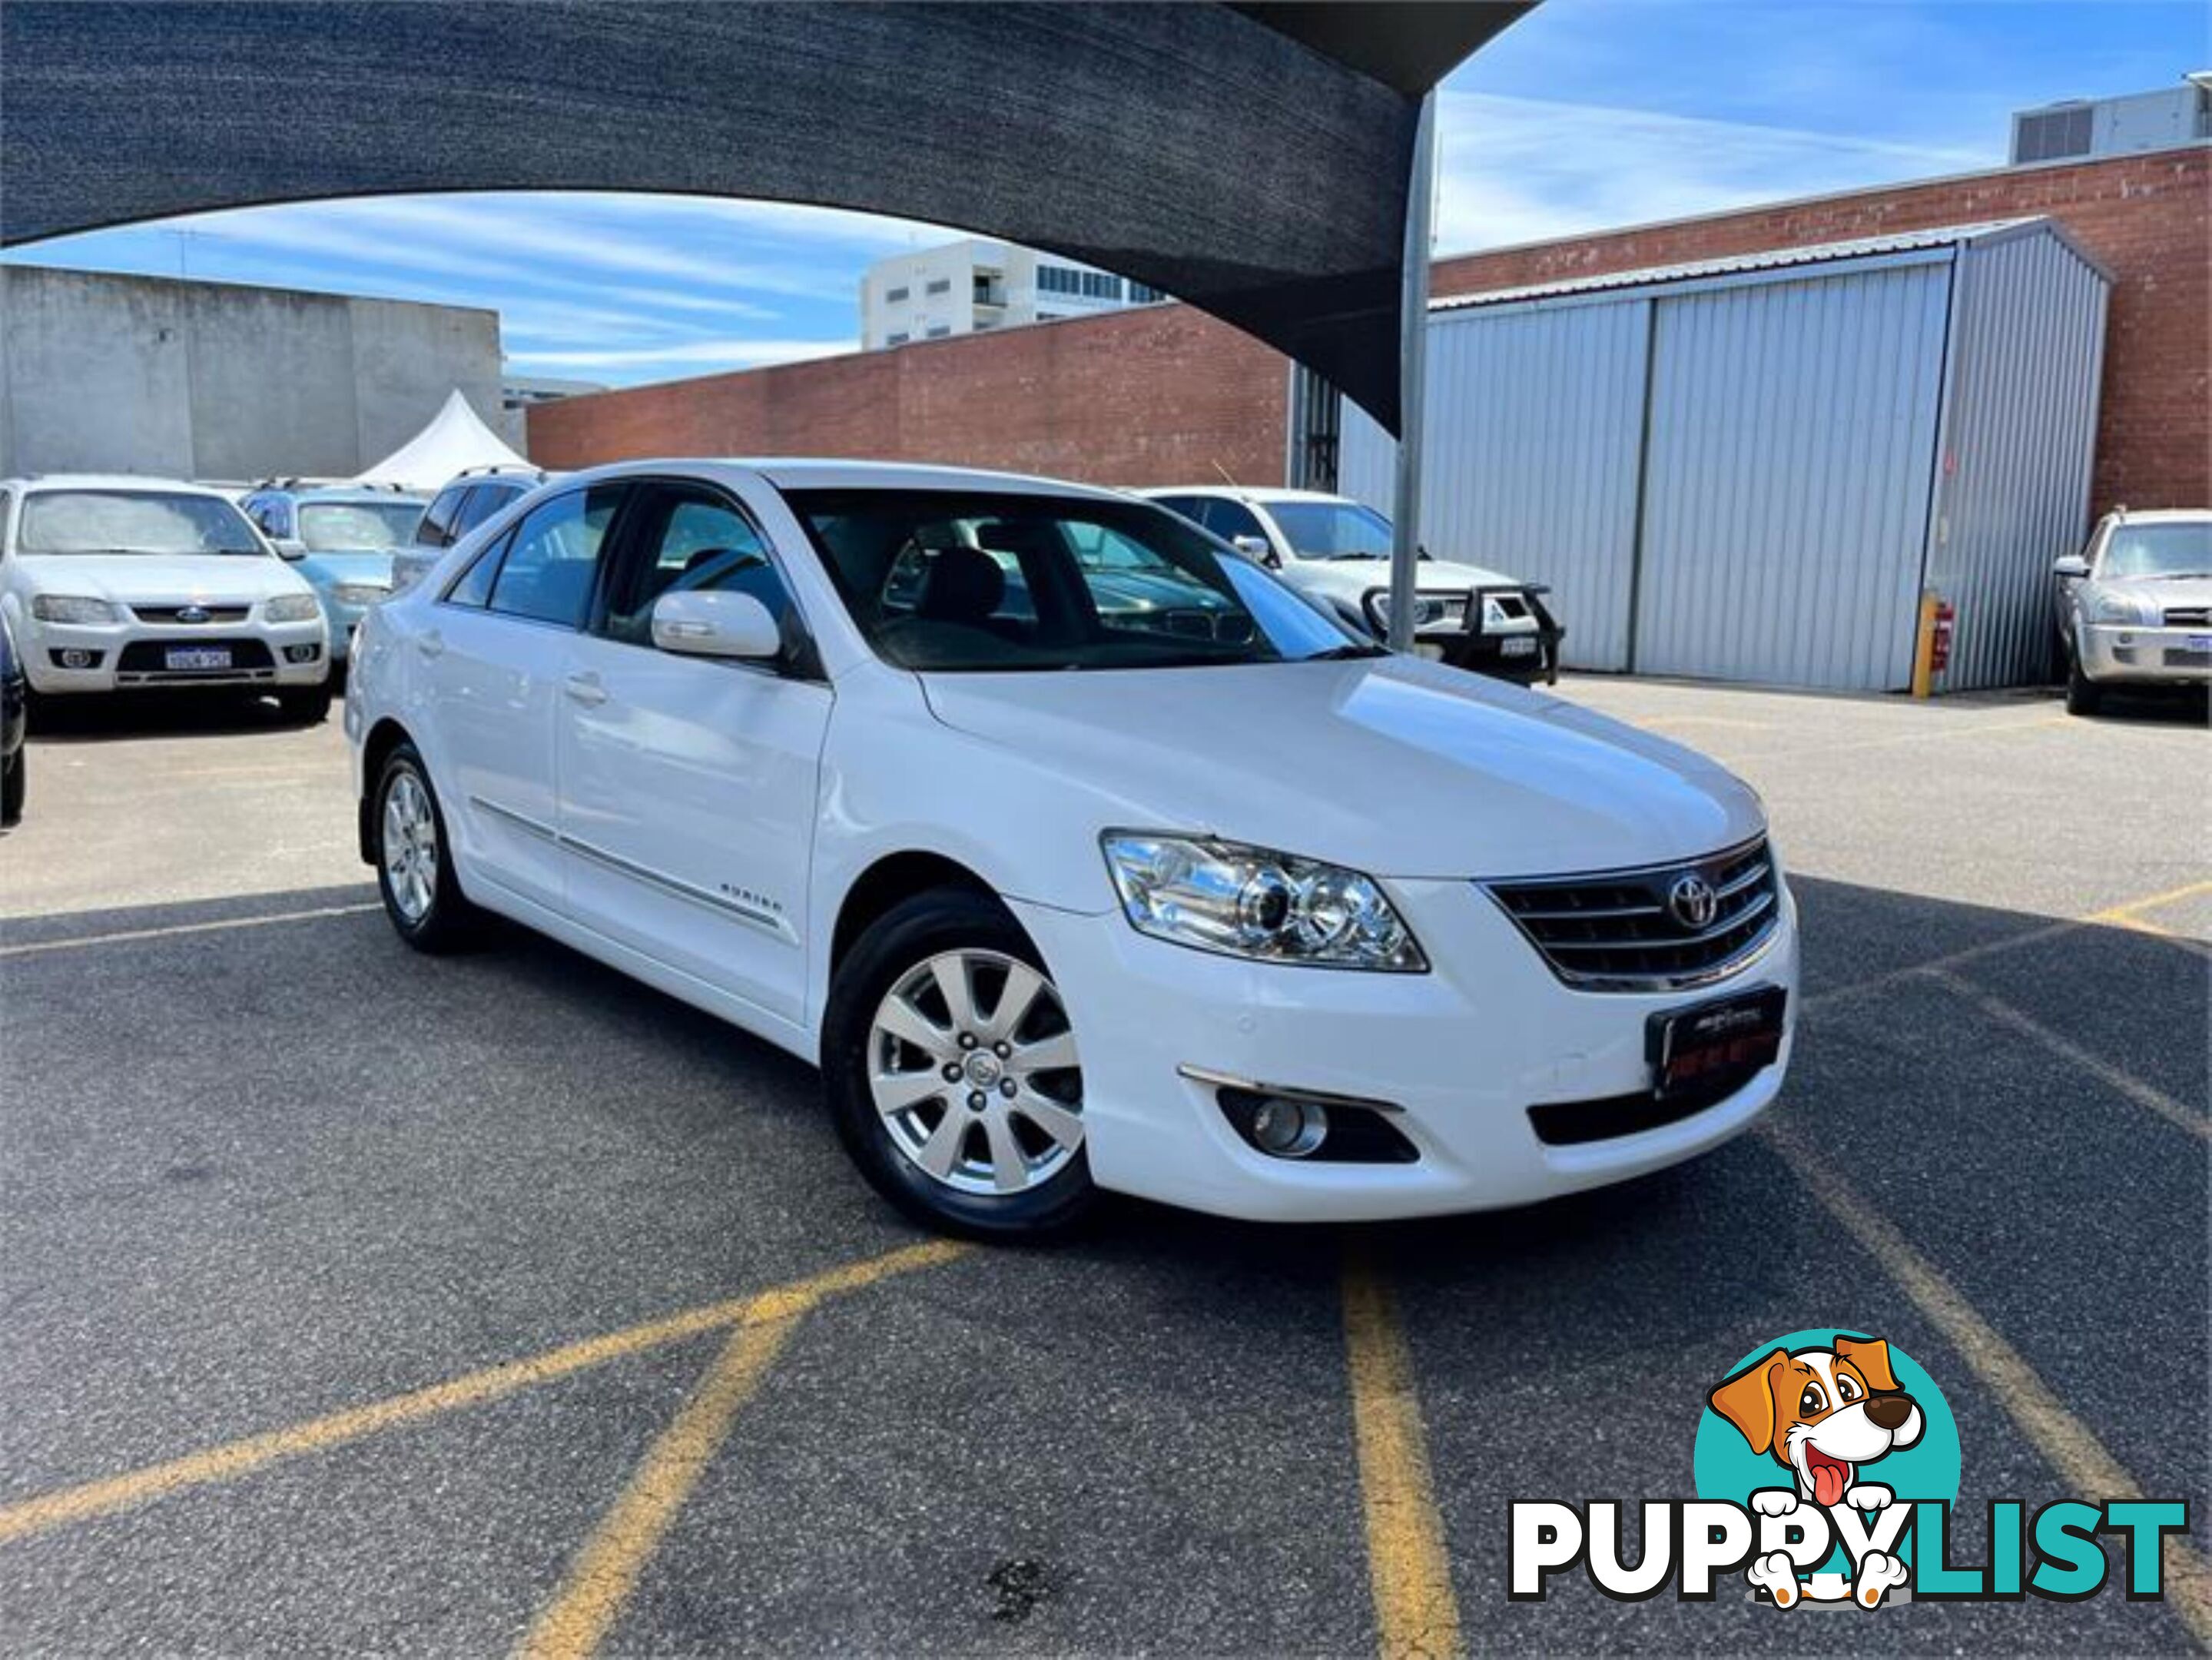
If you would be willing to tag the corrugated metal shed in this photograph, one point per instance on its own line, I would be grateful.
(1749, 468)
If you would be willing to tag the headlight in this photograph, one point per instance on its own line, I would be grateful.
(1252, 903)
(291, 608)
(2130, 611)
(73, 608)
(358, 593)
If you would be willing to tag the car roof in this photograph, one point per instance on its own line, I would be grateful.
(791, 472)
(109, 481)
(2161, 515)
(339, 493)
(1262, 493)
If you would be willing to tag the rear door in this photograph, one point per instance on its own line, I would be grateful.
(689, 784)
(499, 646)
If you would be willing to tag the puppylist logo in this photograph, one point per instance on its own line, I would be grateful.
(1825, 1467)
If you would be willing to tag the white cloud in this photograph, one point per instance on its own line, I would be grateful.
(1524, 169)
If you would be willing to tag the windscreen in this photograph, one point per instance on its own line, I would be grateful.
(133, 521)
(954, 581)
(2176, 548)
(358, 526)
(1332, 530)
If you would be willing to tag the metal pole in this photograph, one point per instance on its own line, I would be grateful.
(1413, 379)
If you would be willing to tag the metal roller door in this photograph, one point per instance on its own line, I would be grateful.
(1791, 457)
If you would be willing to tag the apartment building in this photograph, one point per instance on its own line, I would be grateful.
(970, 286)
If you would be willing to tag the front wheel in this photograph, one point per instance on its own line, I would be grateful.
(952, 1072)
(2083, 695)
(15, 774)
(309, 707)
(414, 867)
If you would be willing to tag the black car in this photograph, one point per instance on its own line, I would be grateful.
(14, 709)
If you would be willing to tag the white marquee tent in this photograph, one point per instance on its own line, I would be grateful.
(455, 438)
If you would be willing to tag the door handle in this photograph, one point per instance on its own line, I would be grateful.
(430, 644)
(584, 689)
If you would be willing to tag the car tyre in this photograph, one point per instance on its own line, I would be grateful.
(1015, 1167)
(2083, 695)
(15, 776)
(415, 874)
(309, 708)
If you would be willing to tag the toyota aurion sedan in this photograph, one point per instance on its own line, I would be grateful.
(1062, 894)
(116, 584)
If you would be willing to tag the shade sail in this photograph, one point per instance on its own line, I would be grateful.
(455, 440)
(1251, 159)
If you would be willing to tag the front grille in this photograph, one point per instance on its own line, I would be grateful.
(2188, 616)
(1577, 1124)
(1616, 930)
(167, 615)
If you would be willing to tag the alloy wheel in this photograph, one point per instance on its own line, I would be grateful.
(411, 847)
(972, 1064)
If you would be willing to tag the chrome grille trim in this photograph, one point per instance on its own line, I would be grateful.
(1611, 930)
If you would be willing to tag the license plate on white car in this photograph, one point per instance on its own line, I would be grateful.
(2200, 642)
(181, 658)
(1731, 1038)
(1525, 646)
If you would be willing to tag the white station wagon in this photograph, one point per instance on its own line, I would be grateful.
(926, 777)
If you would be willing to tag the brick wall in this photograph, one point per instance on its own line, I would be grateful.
(1156, 396)
(1161, 395)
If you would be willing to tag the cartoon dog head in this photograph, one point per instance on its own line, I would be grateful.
(1822, 1412)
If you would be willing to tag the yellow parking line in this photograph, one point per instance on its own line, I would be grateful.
(1415, 1611)
(605, 1571)
(2066, 1443)
(2148, 1097)
(2129, 910)
(130, 935)
(238, 1458)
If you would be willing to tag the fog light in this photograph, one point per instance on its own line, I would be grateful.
(75, 657)
(1289, 1129)
(303, 653)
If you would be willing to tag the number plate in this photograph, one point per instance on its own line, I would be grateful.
(1734, 1037)
(197, 657)
(1523, 647)
(2200, 642)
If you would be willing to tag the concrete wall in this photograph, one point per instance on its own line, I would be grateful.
(101, 372)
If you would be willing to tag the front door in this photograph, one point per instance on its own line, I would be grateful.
(688, 783)
(497, 654)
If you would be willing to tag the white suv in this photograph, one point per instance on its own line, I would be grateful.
(116, 583)
(933, 778)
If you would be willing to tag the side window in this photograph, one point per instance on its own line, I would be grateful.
(1230, 519)
(473, 586)
(483, 502)
(546, 574)
(1187, 507)
(692, 541)
(436, 530)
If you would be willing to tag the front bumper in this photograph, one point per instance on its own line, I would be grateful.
(1524, 647)
(1463, 1052)
(134, 655)
(2161, 656)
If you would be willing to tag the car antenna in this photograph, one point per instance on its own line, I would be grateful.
(1225, 477)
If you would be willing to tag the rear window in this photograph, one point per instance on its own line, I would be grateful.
(133, 521)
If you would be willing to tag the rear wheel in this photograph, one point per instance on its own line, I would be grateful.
(952, 1072)
(414, 867)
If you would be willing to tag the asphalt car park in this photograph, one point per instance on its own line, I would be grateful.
(355, 1300)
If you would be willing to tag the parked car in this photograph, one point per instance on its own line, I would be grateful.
(1268, 921)
(1338, 552)
(2134, 606)
(115, 583)
(340, 537)
(462, 503)
(15, 713)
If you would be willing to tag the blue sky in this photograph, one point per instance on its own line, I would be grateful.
(1587, 114)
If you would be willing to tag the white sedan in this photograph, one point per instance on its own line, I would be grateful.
(932, 777)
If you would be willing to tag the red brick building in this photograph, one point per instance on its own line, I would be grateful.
(1168, 395)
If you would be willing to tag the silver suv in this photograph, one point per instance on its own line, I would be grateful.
(465, 502)
(2134, 607)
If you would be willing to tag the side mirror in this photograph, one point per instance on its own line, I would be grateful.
(290, 547)
(2069, 568)
(1259, 548)
(706, 623)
